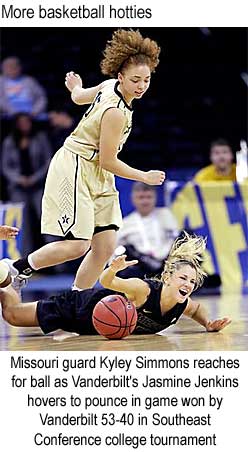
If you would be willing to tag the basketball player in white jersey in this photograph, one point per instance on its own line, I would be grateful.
(80, 201)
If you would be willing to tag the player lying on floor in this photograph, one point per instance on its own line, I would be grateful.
(159, 302)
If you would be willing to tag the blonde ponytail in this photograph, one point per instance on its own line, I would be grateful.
(186, 250)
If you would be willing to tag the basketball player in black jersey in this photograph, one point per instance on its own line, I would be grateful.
(159, 302)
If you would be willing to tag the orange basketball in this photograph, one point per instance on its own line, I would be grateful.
(114, 317)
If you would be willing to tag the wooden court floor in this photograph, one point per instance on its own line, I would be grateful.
(185, 335)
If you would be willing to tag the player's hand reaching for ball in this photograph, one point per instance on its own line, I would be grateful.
(72, 80)
(154, 177)
(120, 263)
(217, 325)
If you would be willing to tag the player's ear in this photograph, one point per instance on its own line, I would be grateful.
(120, 77)
(166, 279)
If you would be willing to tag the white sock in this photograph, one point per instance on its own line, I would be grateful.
(73, 287)
(31, 262)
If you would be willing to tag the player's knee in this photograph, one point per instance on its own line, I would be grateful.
(76, 249)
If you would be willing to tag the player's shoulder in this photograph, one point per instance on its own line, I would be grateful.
(108, 83)
(112, 95)
(109, 97)
(154, 283)
(108, 87)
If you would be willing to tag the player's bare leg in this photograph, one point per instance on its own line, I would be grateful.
(58, 252)
(102, 247)
(16, 313)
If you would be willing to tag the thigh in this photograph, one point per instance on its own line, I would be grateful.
(106, 206)
(52, 313)
(107, 210)
(67, 206)
(102, 190)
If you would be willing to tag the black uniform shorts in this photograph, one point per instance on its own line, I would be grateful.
(70, 311)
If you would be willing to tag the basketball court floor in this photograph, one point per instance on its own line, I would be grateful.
(185, 335)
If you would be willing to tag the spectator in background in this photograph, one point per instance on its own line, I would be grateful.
(25, 160)
(222, 167)
(61, 125)
(20, 93)
(147, 233)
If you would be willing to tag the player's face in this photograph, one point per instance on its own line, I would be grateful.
(221, 156)
(182, 283)
(144, 201)
(134, 81)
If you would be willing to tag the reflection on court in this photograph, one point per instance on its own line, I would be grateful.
(186, 335)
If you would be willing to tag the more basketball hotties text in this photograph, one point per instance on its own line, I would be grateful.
(80, 12)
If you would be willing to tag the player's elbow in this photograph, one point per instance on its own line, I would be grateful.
(107, 163)
(78, 96)
(76, 99)
(104, 164)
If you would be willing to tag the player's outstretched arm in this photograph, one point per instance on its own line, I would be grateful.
(134, 288)
(111, 130)
(14, 311)
(198, 313)
(8, 232)
(80, 95)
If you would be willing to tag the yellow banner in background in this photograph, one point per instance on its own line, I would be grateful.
(218, 211)
(11, 215)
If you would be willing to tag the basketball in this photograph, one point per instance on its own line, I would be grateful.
(114, 317)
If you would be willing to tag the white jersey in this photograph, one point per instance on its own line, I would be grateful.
(85, 139)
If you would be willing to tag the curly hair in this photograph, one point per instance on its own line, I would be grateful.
(128, 47)
(186, 250)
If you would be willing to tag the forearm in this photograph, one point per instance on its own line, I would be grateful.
(119, 168)
(107, 277)
(81, 96)
(200, 315)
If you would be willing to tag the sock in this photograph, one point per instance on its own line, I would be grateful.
(73, 287)
(31, 263)
(23, 266)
